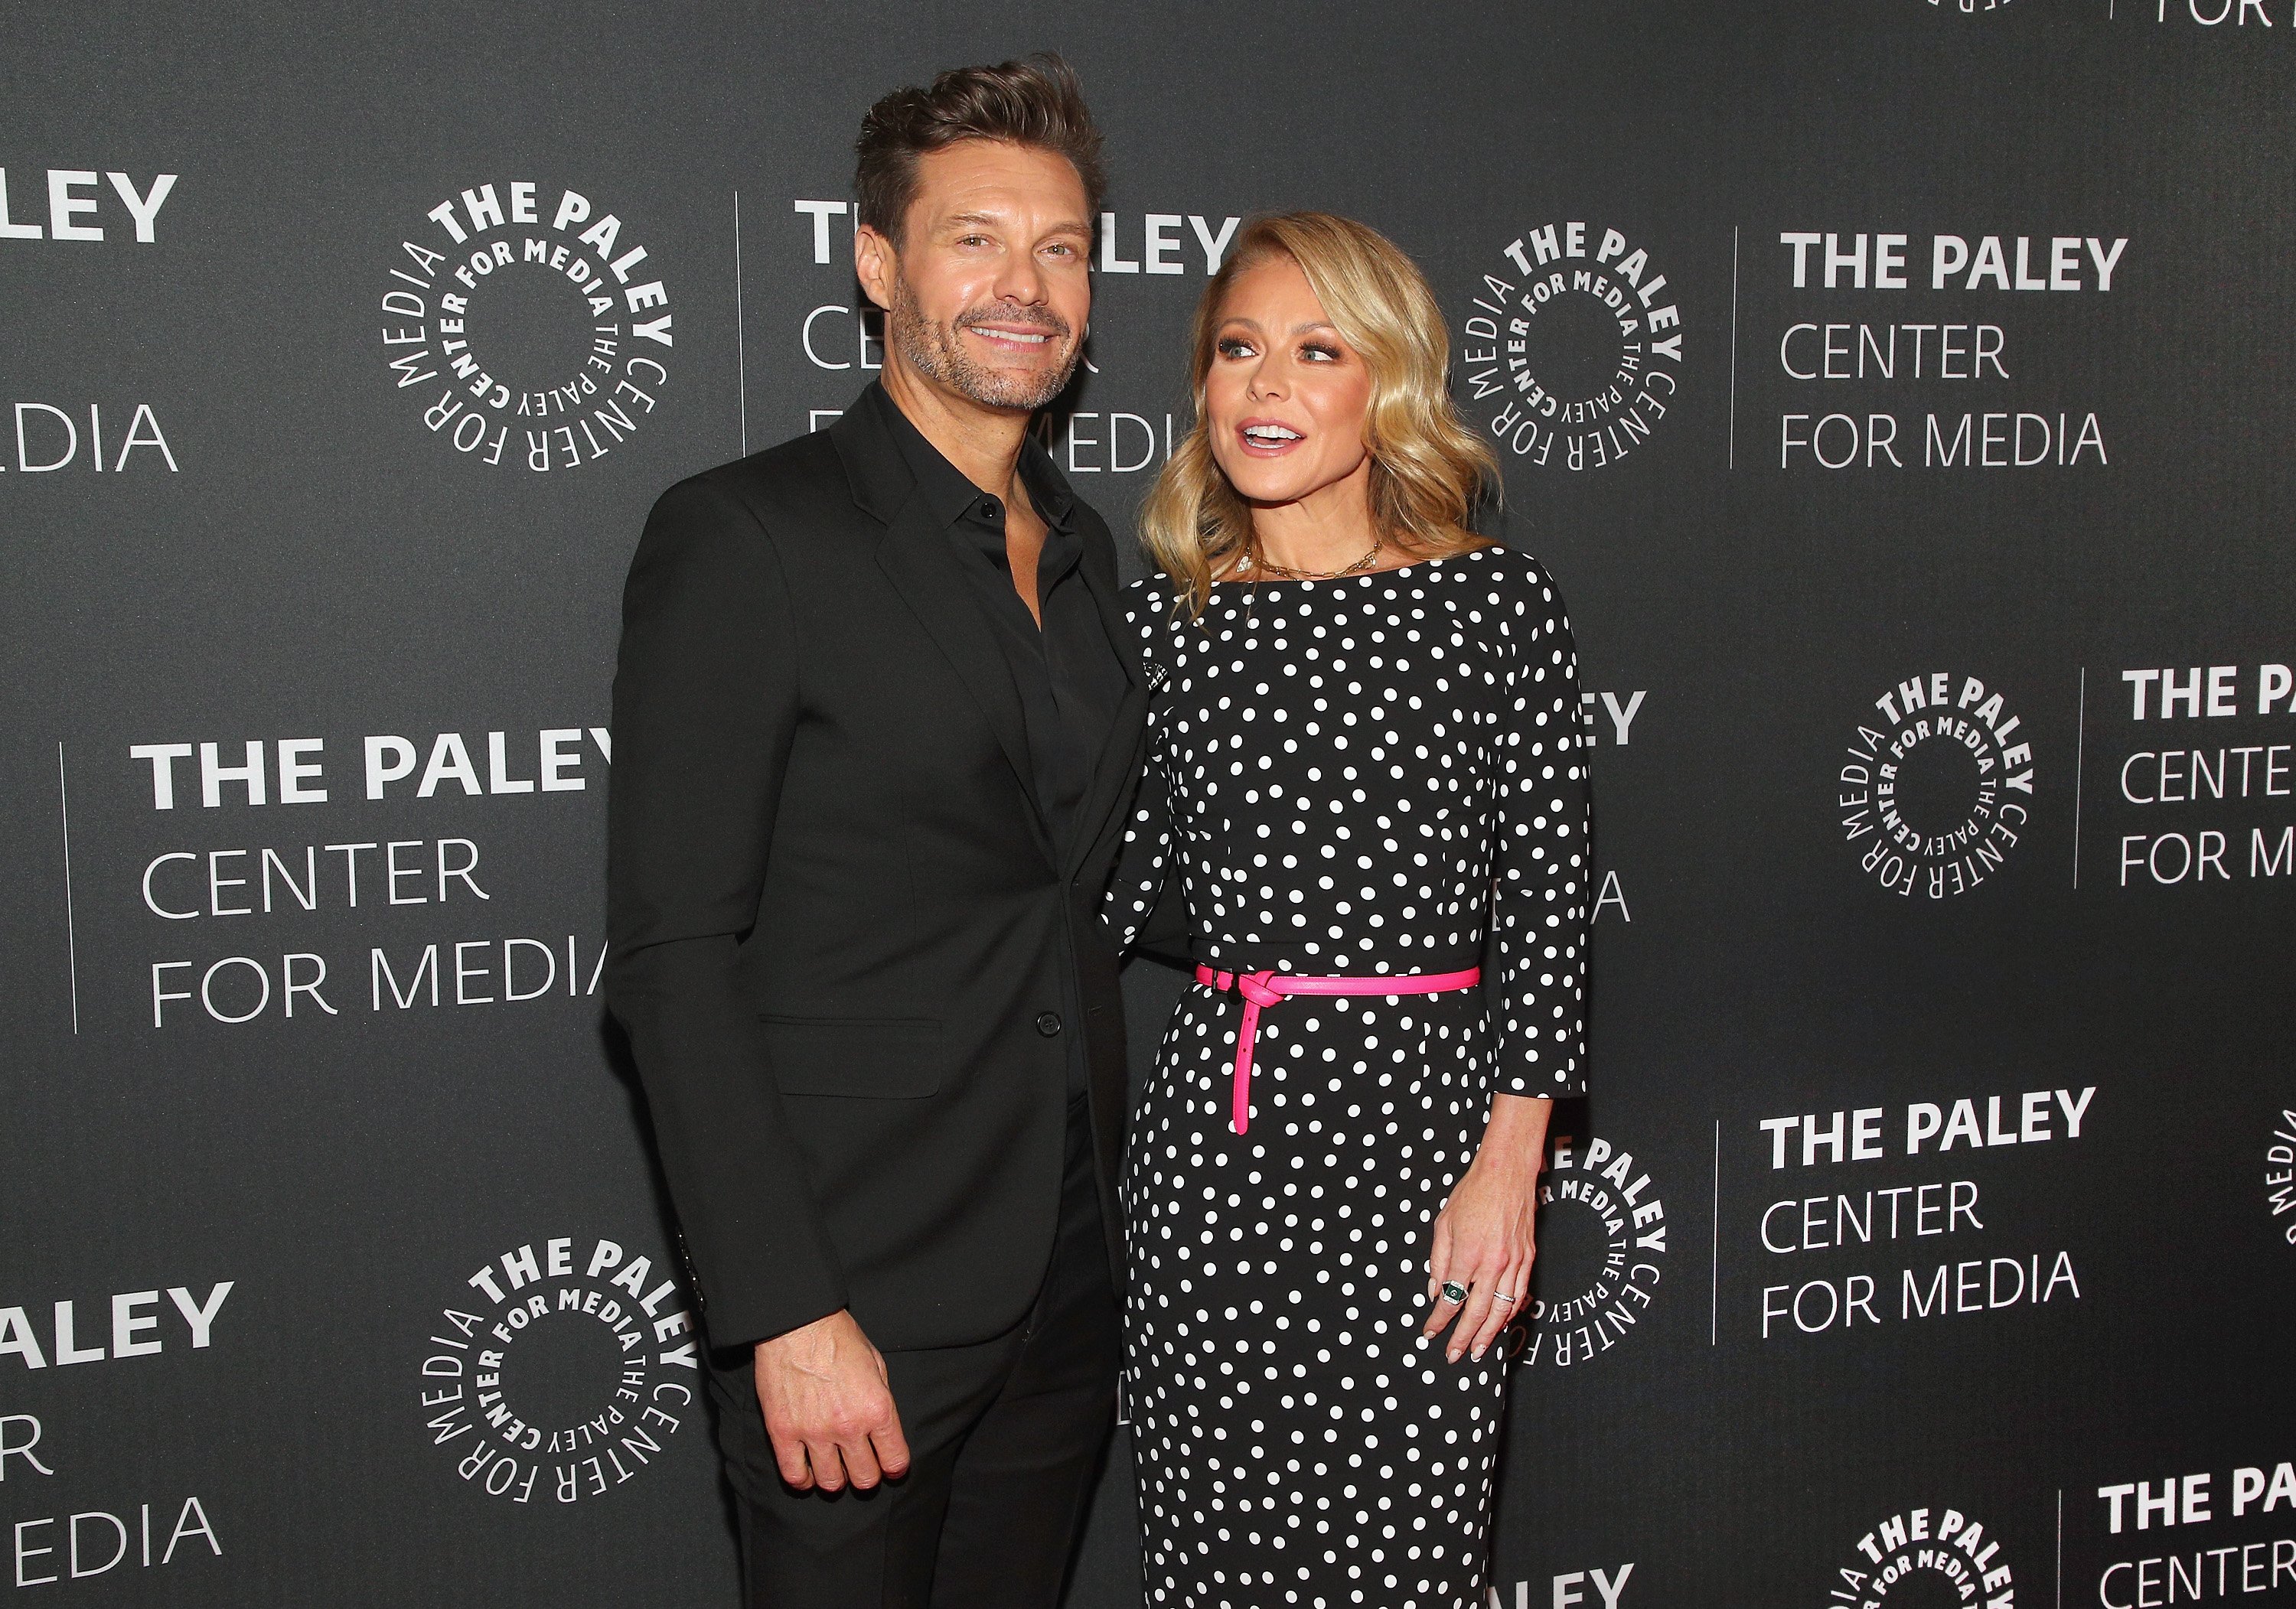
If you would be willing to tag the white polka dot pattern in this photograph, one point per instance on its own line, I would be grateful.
(1367, 775)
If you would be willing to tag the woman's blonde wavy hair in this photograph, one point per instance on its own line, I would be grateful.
(1427, 467)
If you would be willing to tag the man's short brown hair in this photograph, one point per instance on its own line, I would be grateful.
(1036, 101)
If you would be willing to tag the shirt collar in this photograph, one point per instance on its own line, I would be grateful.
(948, 495)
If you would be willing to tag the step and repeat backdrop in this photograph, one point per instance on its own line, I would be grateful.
(1900, 390)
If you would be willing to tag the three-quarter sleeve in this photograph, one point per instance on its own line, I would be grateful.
(1542, 861)
(1137, 885)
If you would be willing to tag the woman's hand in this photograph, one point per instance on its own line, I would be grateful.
(1485, 1235)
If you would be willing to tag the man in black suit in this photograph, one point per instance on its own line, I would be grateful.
(876, 722)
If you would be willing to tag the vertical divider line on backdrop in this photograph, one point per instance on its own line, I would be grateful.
(2080, 751)
(741, 339)
(1733, 462)
(71, 932)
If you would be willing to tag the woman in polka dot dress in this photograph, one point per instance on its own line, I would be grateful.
(1367, 772)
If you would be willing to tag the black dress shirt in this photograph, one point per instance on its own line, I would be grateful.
(1066, 671)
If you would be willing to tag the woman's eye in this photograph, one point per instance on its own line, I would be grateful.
(1320, 354)
(1232, 348)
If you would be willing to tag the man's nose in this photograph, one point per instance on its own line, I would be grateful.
(1021, 279)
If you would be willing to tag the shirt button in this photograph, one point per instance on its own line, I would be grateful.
(1048, 1023)
(988, 508)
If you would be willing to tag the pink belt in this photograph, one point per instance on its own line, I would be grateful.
(1261, 989)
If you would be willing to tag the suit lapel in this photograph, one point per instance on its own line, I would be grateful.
(1120, 756)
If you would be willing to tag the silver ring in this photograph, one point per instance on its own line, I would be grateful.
(1454, 1291)
(1508, 1300)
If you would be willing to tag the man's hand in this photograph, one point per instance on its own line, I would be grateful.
(828, 1410)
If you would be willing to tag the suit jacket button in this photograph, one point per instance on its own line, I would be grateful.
(1048, 1023)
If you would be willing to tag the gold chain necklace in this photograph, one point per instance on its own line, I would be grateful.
(1259, 564)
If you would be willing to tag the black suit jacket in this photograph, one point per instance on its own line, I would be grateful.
(838, 928)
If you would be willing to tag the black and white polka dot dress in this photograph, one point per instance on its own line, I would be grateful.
(1380, 773)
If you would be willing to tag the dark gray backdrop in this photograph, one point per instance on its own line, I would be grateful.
(1724, 1404)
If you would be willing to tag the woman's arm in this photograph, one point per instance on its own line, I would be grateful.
(1137, 886)
(1541, 906)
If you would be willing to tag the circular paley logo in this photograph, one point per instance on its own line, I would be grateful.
(571, 1366)
(1570, 354)
(1935, 800)
(528, 330)
(2280, 1176)
(1923, 1558)
(1602, 1252)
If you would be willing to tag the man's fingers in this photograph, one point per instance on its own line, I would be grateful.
(828, 1468)
(828, 1414)
(860, 1461)
(790, 1456)
(892, 1447)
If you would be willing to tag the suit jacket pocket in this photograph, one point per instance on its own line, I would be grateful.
(883, 1059)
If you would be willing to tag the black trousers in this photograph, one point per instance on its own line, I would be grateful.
(1004, 1437)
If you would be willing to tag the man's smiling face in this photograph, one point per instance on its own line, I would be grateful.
(987, 290)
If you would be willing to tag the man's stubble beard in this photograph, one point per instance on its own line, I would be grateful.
(937, 351)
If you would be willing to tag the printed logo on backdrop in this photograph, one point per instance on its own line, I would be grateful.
(566, 1375)
(125, 1328)
(1602, 1252)
(1572, 354)
(527, 333)
(54, 209)
(1595, 1587)
(71, 204)
(1925, 1557)
(2204, 806)
(2280, 1176)
(1934, 799)
(2215, 14)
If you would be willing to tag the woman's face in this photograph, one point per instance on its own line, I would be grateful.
(1285, 395)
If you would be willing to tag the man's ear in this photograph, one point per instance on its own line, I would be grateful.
(875, 264)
